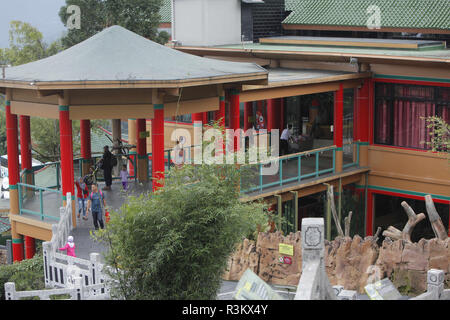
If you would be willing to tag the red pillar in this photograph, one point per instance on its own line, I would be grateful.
(197, 117)
(85, 145)
(274, 114)
(65, 133)
(25, 142)
(339, 117)
(222, 110)
(235, 116)
(248, 112)
(141, 150)
(369, 217)
(30, 247)
(13, 175)
(158, 146)
(282, 101)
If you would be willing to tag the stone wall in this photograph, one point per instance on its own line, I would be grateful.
(347, 261)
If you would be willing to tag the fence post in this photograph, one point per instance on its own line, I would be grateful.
(10, 291)
(46, 248)
(79, 288)
(435, 283)
(95, 276)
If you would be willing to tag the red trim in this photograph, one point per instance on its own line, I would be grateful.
(371, 110)
(414, 82)
(404, 148)
(339, 117)
(403, 195)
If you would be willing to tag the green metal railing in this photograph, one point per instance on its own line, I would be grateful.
(299, 158)
(28, 191)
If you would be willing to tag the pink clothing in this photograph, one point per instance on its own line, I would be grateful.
(70, 250)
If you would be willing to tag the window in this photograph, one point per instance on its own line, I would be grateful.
(400, 112)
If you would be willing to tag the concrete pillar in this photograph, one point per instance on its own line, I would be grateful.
(132, 140)
(338, 127)
(142, 158)
(85, 137)
(158, 146)
(13, 175)
(66, 145)
(30, 247)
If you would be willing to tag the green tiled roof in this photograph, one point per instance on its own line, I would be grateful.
(402, 14)
(166, 11)
(4, 224)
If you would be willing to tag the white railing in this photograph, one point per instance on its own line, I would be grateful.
(435, 287)
(77, 291)
(80, 278)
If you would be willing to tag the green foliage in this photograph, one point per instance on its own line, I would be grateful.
(26, 45)
(175, 243)
(139, 16)
(440, 135)
(27, 275)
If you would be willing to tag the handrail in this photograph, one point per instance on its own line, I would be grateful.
(41, 200)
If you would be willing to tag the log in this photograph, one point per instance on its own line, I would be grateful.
(330, 195)
(347, 221)
(435, 219)
(413, 219)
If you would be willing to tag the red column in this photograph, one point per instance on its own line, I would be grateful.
(158, 146)
(235, 116)
(30, 247)
(282, 101)
(197, 117)
(222, 110)
(25, 142)
(85, 145)
(141, 150)
(274, 114)
(339, 117)
(65, 132)
(205, 117)
(13, 175)
(248, 112)
(369, 216)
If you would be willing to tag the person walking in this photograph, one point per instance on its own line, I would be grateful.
(124, 177)
(96, 202)
(69, 247)
(285, 135)
(82, 194)
(107, 167)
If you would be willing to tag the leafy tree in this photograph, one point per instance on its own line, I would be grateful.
(175, 243)
(139, 16)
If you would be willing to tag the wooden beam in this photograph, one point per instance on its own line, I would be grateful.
(32, 227)
(91, 112)
(41, 110)
(46, 93)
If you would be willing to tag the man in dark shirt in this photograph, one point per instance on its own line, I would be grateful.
(107, 168)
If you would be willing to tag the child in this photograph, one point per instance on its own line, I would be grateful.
(70, 247)
(124, 177)
(82, 194)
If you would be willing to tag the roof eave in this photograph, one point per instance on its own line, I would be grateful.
(297, 26)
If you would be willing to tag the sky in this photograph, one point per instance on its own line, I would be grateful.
(41, 14)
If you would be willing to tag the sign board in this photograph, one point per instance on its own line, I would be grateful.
(144, 134)
(286, 249)
(252, 287)
(382, 290)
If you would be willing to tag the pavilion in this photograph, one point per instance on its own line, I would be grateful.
(116, 75)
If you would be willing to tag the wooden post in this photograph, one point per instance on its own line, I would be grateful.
(142, 158)
(132, 141)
